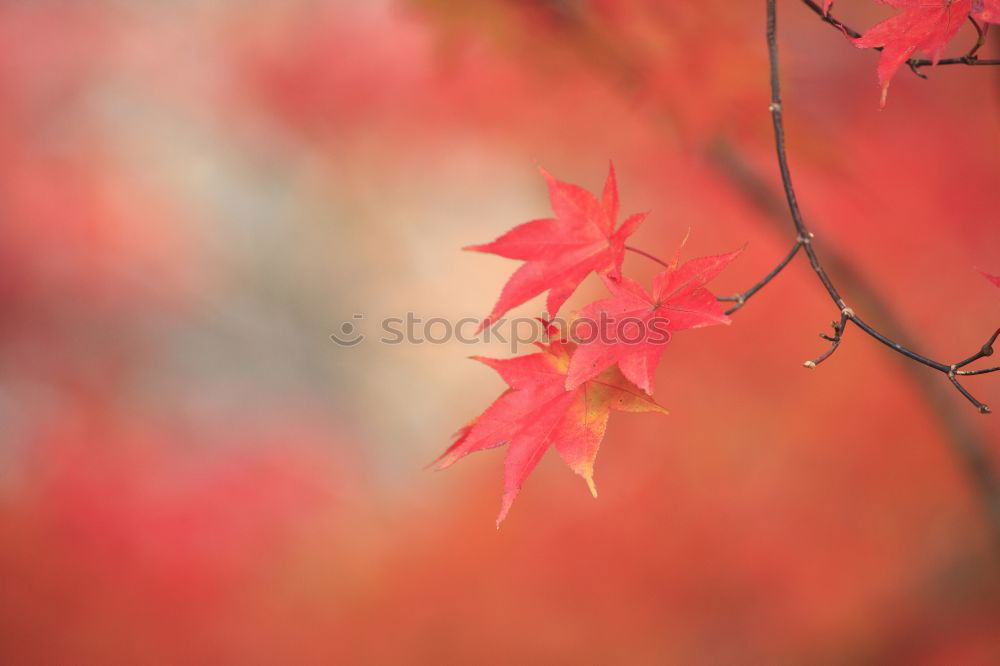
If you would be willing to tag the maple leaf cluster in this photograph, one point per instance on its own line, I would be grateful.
(563, 395)
(923, 25)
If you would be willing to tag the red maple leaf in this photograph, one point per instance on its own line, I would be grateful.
(628, 328)
(924, 25)
(537, 412)
(995, 279)
(560, 252)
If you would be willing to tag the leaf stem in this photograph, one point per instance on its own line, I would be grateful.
(647, 255)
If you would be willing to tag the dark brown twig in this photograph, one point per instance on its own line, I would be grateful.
(985, 371)
(741, 298)
(977, 462)
(969, 447)
(839, 327)
(805, 237)
(915, 64)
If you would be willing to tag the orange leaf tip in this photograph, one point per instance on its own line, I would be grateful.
(589, 477)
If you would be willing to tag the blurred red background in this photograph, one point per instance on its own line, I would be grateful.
(195, 195)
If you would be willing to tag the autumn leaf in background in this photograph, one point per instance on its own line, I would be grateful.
(924, 25)
(537, 411)
(679, 301)
(560, 252)
(995, 279)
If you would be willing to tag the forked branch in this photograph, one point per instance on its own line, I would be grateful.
(915, 64)
(977, 462)
(805, 239)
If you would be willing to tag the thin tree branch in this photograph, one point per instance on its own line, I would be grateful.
(805, 237)
(741, 298)
(915, 64)
(985, 351)
(828, 18)
(986, 371)
(968, 445)
(976, 460)
(980, 38)
(839, 327)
